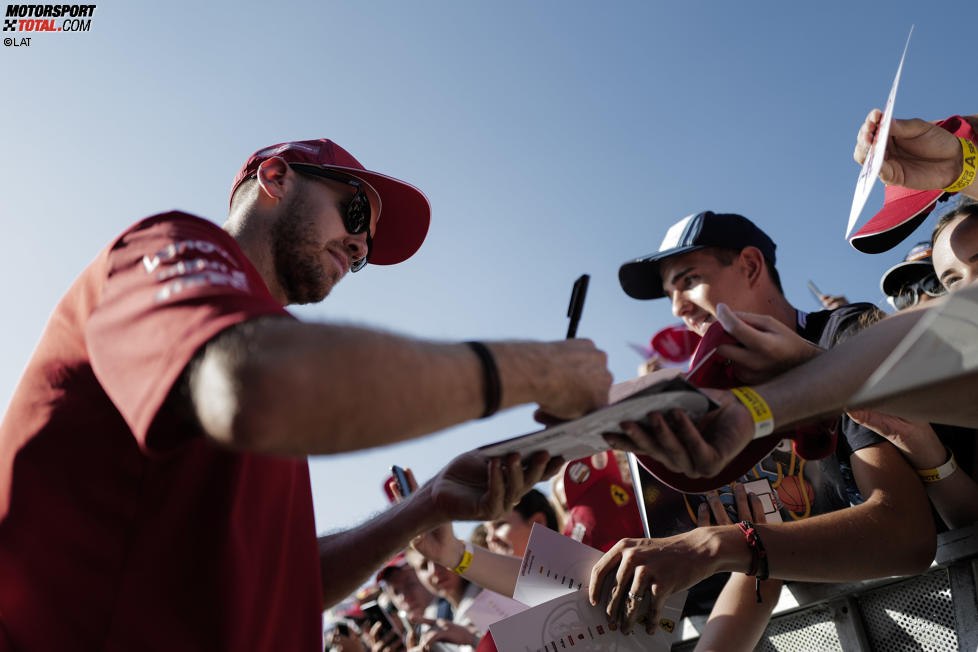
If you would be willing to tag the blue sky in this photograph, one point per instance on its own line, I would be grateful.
(552, 138)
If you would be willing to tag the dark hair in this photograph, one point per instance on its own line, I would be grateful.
(535, 502)
(855, 326)
(726, 257)
(966, 210)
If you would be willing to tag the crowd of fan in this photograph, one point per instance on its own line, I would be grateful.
(721, 268)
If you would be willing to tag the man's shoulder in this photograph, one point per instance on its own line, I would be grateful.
(175, 222)
(170, 234)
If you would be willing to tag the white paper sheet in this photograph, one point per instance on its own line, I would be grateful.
(874, 160)
(941, 346)
(553, 579)
(571, 623)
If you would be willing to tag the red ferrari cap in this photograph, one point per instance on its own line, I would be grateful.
(404, 213)
(905, 209)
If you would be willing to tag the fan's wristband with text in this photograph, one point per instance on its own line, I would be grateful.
(466, 561)
(759, 410)
(930, 476)
(969, 164)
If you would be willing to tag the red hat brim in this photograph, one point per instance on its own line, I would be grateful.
(903, 211)
(405, 215)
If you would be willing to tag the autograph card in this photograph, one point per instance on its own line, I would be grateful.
(582, 437)
(874, 160)
(553, 578)
(571, 623)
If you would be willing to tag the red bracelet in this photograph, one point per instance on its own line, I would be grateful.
(758, 555)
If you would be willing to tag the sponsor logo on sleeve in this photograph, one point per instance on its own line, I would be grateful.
(189, 264)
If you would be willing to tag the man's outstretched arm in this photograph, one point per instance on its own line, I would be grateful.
(281, 386)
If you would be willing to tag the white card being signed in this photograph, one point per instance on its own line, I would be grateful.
(874, 160)
(553, 579)
(582, 437)
(571, 623)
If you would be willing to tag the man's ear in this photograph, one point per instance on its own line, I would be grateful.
(274, 175)
(752, 262)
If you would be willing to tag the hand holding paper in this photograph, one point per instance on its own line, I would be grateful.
(920, 155)
(586, 436)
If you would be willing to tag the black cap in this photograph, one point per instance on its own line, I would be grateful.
(640, 278)
(915, 266)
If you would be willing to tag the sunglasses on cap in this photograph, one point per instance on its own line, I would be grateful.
(910, 293)
(356, 214)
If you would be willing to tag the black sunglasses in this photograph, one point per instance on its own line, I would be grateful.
(356, 216)
(910, 293)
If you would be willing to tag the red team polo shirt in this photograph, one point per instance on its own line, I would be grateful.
(121, 526)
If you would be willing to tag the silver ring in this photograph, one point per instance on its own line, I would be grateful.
(636, 598)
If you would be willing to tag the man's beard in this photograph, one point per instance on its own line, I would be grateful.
(296, 255)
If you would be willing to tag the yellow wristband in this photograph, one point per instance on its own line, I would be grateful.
(759, 410)
(968, 166)
(928, 476)
(466, 560)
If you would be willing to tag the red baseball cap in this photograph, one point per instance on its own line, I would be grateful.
(404, 213)
(905, 209)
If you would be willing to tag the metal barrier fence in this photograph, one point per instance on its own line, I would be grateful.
(933, 612)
